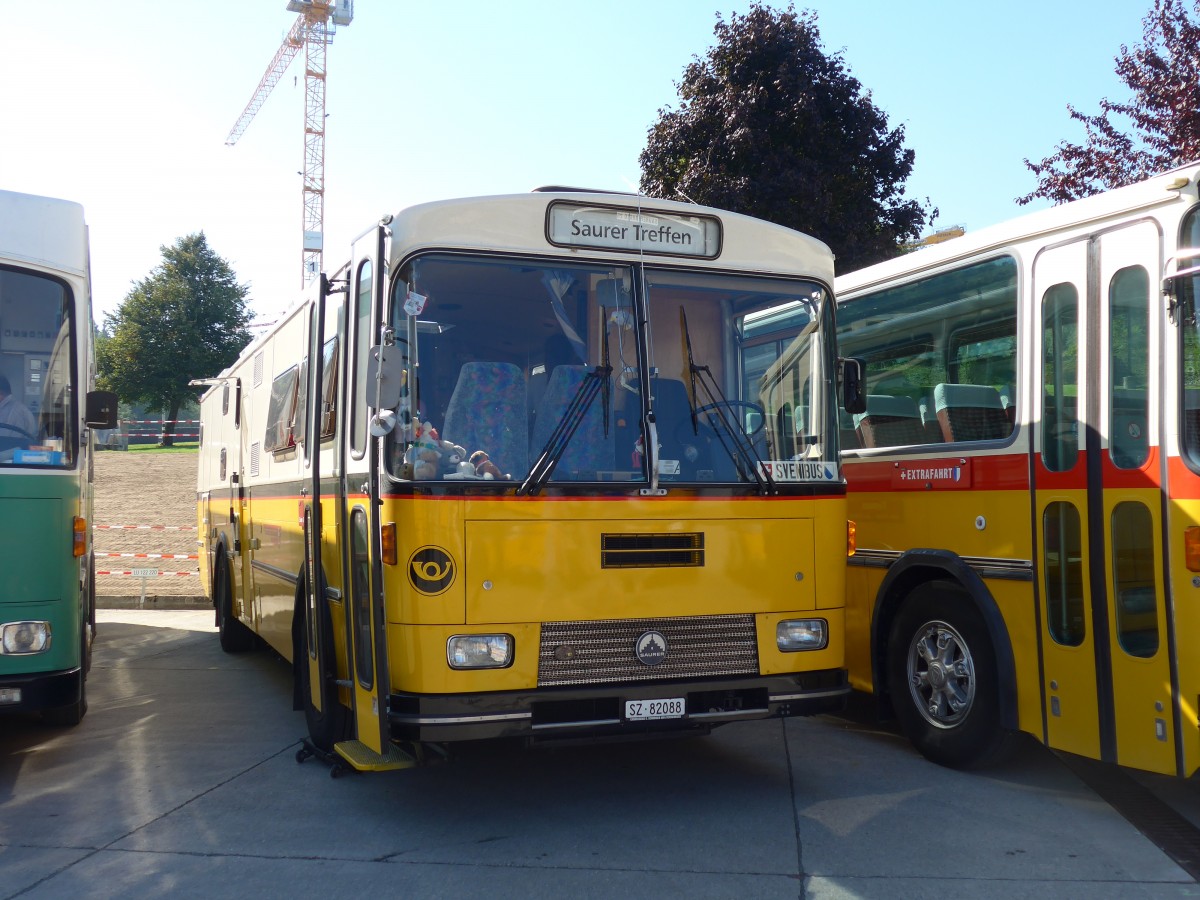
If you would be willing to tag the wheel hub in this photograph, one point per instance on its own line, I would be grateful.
(941, 674)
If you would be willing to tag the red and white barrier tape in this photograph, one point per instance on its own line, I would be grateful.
(148, 527)
(148, 555)
(155, 434)
(148, 573)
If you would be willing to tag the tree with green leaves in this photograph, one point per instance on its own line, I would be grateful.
(1157, 129)
(188, 319)
(771, 126)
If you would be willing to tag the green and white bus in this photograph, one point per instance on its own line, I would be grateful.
(47, 412)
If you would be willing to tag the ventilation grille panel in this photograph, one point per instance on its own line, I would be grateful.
(599, 652)
(651, 551)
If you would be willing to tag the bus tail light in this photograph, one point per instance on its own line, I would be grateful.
(387, 539)
(79, 536)
(851, 537)
(801, 634)
(1191, 548)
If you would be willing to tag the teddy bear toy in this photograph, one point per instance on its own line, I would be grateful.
(424, 455)
(429, 457)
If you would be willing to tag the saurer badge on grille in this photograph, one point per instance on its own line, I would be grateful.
(651, 648)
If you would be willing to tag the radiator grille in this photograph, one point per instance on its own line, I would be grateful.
(633, 551)
(599, 652)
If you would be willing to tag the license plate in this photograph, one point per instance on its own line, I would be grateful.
(640, 710)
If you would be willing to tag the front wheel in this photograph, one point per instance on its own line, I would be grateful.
(235, 636)
(941, 673)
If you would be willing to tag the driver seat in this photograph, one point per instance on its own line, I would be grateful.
(700, 457)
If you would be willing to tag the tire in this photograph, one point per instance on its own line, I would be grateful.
(328, 726)
(942, 677)
(235, 637)
(72, 714)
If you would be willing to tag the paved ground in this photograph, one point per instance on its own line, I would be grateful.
(182, 782)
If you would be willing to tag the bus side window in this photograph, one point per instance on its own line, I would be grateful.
(1129, 350)
(281, 413)
(1060, 354)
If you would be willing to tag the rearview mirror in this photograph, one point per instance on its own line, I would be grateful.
(853, 371)
(385, 376)
(1179, 287)
(100, 409)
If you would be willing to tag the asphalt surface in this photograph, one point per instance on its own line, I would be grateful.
(182, 781)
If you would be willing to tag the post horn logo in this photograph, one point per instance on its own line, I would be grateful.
(431, 570)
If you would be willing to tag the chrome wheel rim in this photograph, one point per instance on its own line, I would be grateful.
(941, 674)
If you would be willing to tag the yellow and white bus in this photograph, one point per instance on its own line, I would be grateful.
(1025, 480)
(535, 487)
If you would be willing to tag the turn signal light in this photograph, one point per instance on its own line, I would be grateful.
(387, 539)
(79, 536)
(1191, 548)
(851, 537)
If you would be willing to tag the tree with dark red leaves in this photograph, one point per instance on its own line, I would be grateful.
(771, 126)
(1163, 129)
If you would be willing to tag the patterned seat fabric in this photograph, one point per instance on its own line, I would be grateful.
(890, 422)
(970, 412)
(488, 411)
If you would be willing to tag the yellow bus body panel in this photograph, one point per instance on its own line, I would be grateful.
(417, 655)
(1141, 686)
(505, 555)
(1186, 592)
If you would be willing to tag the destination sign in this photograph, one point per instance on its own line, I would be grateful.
(798, 470)
(612, 228)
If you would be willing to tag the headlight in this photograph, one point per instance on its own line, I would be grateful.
(801, 634)
(479, 651)
(17, 638)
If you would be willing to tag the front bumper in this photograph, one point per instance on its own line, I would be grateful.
(594, 712)
(42, 690)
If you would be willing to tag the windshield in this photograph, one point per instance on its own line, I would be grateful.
(36, 422)
(528, 374)
(727, 409)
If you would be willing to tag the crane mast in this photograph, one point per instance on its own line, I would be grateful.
(313, 30)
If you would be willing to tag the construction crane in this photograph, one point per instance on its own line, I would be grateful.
(313, 30)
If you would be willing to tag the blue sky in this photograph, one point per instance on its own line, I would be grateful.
(125, 106)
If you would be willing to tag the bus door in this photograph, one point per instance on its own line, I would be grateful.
(232, 495)
(1125, 493)
(1106, 677)
(319, 637)
(365, 614)
(1067, 636)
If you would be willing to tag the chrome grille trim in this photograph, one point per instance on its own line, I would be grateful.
(697, 647)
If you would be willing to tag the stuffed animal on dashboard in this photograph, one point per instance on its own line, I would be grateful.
(424, 455)
(483, 466)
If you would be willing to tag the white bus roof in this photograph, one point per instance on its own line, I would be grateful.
(43, 232)
(1156, 191)
(517, 223)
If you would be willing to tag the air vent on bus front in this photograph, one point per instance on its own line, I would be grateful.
(632, 551)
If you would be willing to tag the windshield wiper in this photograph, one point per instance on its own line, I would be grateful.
(597, 381)
(734, 440)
